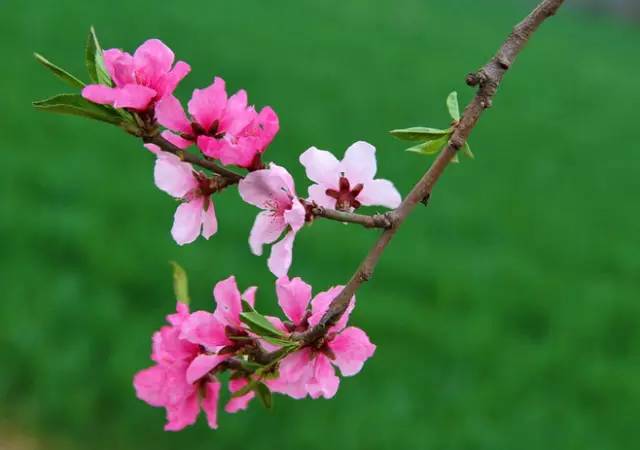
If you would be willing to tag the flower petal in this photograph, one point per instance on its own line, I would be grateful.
(171, 80)
(209, 220)
(297, 367)
(324, 382)
(187, 221)
(351, 348)
(183, 413)
(380, 192)
(208, 104)
(202, 365)
(266, 229)
(320, 304)
(295, 216)
(236, 404)
(149, 384)
(293, 298)
(176, 140)
(99, 93)
(267, 188)
(321, 166)
(359, 162)
(119, 65)
(204, 329)
(210, 402)
(318, 194)
(249, 295)
(228, 302)
(170, 114)
(152, 58)
(173, 176)
(282, 255)
(134, 96)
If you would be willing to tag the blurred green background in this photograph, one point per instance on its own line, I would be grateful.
(506, 314)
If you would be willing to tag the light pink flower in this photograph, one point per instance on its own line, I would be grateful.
(184, 355)
(310, 370)
(196, 214)
(348, 184)
(273, 191)
(224, 128)
(141, 79)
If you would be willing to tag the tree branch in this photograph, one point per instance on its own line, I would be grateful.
(487, 79)
(374, 221)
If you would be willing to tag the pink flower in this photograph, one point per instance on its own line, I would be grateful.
(348, 184)
(180, 380)
(310, 370)
(196, 214)
(141, 79)
(273, 191)
(225, 129)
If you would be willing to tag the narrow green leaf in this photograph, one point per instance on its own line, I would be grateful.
(59, 72)
(419, 133)
(430, 147)
(467, 150)
(180, 283)
(76, 105)
(260, 325)
(452, 105)
(264, 394)
(455, 159)
(279, 341)
(94, 61)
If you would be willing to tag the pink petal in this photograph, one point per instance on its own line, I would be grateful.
(324, 382)
(236, 404)
(266, 229)
(276, 322)
(202, 365)
(173, 176)
(267, 188)
(297, 367)
(209, 220)
(249, 295)
(210, 402)
(170, 114)
(268, 126)
(321, 166)
(153, 148)
(351, 348)
(318, 194)
(228, 302)
(149, 384)
(359, 162)
(282, 255)
(240, 151)
(183, 413)
(208, 104)
(210, 146)
(181, 314)
(294, 390)
(293, 298)
(176, 140)
(119, 64)
(99, 93)
(169, 349)
(153, 58)
(204, 329)
(380, 192)
(320, 304)
(134, 96)
(170, 81)
(295, 216)
(187, 221)
(236, 115)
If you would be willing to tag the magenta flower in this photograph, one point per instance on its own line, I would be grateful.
(179, 381)
(225, 129)
(310, 370)
(273, 191)
(141, 79)
(348, 184)
(196, 214)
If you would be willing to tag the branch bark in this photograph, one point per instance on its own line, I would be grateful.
(487, 79)
(374, 221)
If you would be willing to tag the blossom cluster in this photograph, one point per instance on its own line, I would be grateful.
(191, 351)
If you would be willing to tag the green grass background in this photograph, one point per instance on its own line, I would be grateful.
(506, 314)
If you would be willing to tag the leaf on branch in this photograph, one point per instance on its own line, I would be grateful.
(180, 283)
(452, 105)
(259, 324)
(94, 61)
(430, 147)
(76, 105)
(59, 72)
(467, 151)
(264, 394)
(419, 133)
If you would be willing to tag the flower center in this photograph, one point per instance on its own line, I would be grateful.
(345, 196)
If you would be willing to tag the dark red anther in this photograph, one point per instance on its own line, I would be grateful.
(346, 197)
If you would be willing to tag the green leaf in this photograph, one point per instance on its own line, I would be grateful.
(76, 105)
(260, 325)
(419, 133)
(467, 150)
(180, 283)
(430, 147)
(94, 61)
(244, 390)
(60, 73)
(452, 105)
(264, 394)
(279, 341)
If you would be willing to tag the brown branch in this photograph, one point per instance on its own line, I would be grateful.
(487, 79)
(374, 221)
